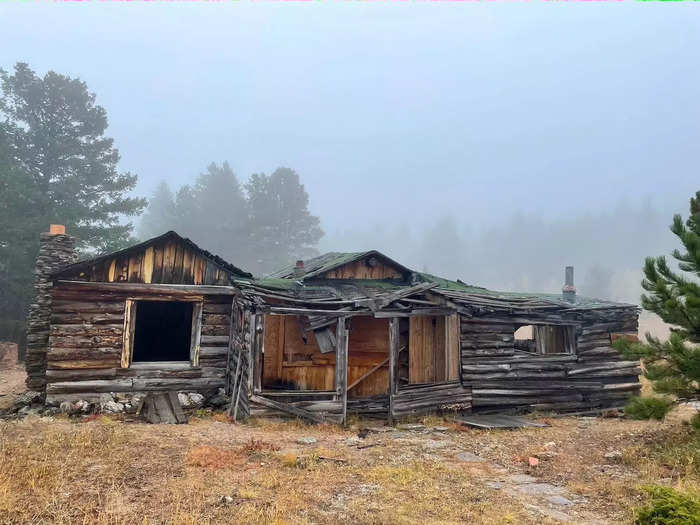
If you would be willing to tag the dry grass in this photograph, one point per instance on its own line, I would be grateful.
(109, 472)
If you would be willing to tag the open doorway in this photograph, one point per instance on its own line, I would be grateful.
(162, 331)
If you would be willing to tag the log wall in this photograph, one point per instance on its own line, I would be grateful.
(505, 379)
(86, 340)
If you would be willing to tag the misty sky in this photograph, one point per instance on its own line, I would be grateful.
(409, 111)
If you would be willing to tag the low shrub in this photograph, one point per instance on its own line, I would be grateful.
(669, 506)
(648, 407)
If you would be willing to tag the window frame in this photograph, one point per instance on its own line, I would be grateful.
(129, 330)
(570, 349)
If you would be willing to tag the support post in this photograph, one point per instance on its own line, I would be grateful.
(394, 336)
(341, 366)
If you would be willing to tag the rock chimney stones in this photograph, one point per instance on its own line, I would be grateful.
(56, 250)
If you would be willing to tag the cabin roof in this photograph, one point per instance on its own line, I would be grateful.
(306, 285)
(328, 261)
(87, 263)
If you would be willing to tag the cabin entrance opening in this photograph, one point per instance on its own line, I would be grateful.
(163, 331)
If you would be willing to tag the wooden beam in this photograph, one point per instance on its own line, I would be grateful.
(341, 365)
(171, 289)
(128, 333)
(367, 374)
(394, 340)
(289, 409)
(196, 333)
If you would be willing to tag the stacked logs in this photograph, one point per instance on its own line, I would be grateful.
(55, 252)
(596, 376)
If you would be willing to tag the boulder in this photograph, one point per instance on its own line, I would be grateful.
(27, 398)
(112, 407)
(196, 400)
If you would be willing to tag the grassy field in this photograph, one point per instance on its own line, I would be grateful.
(107, 471)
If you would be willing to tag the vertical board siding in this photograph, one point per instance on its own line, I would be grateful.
(168, 262)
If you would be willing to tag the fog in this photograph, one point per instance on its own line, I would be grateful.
(526, 252)
(495, 143)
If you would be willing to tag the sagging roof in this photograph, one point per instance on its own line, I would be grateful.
(170, 235)
(306, 286)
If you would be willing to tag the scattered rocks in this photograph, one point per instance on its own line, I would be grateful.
(468, 457)
(399, 435)
(433, 444)
(307, 440)
(219, 401)
(414, 427)
(225, 500)
(66, 407)
(29, 411)
(82, 406)
(112, 407)
(439, 429)
(539, 489)
(613, 454)
(353, 441)
(197, 400)
(559, 500)
(379, 430)
(193, 400)
(27, 398)
(521, 478)
(496, 485)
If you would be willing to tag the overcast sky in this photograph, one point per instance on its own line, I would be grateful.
(392, 109)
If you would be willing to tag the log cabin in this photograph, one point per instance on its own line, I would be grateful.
(153, 317)
(359, 333)
(338, 334)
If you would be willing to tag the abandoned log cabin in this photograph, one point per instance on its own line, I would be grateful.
(155, 316)
(360, 333)
(339, 334)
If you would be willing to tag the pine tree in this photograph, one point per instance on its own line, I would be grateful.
(68, 168)
(281, 228)
(673, 366)
(160, 216)
(56, 166)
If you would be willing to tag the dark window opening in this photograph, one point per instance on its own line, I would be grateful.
(163, 331)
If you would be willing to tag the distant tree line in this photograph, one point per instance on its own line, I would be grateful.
(259, 225)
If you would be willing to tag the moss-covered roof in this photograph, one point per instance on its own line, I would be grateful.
(328, 261)
(307, 284)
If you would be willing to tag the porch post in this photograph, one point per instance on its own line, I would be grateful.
(341, 366)
(394, 336)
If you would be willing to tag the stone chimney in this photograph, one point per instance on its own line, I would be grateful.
(299, 268)
(568, 291)
(56, 250)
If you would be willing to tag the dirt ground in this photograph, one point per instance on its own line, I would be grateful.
(104, 470)
(11, 384)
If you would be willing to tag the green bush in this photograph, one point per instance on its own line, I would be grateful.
(668, 506)
(648, 407)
